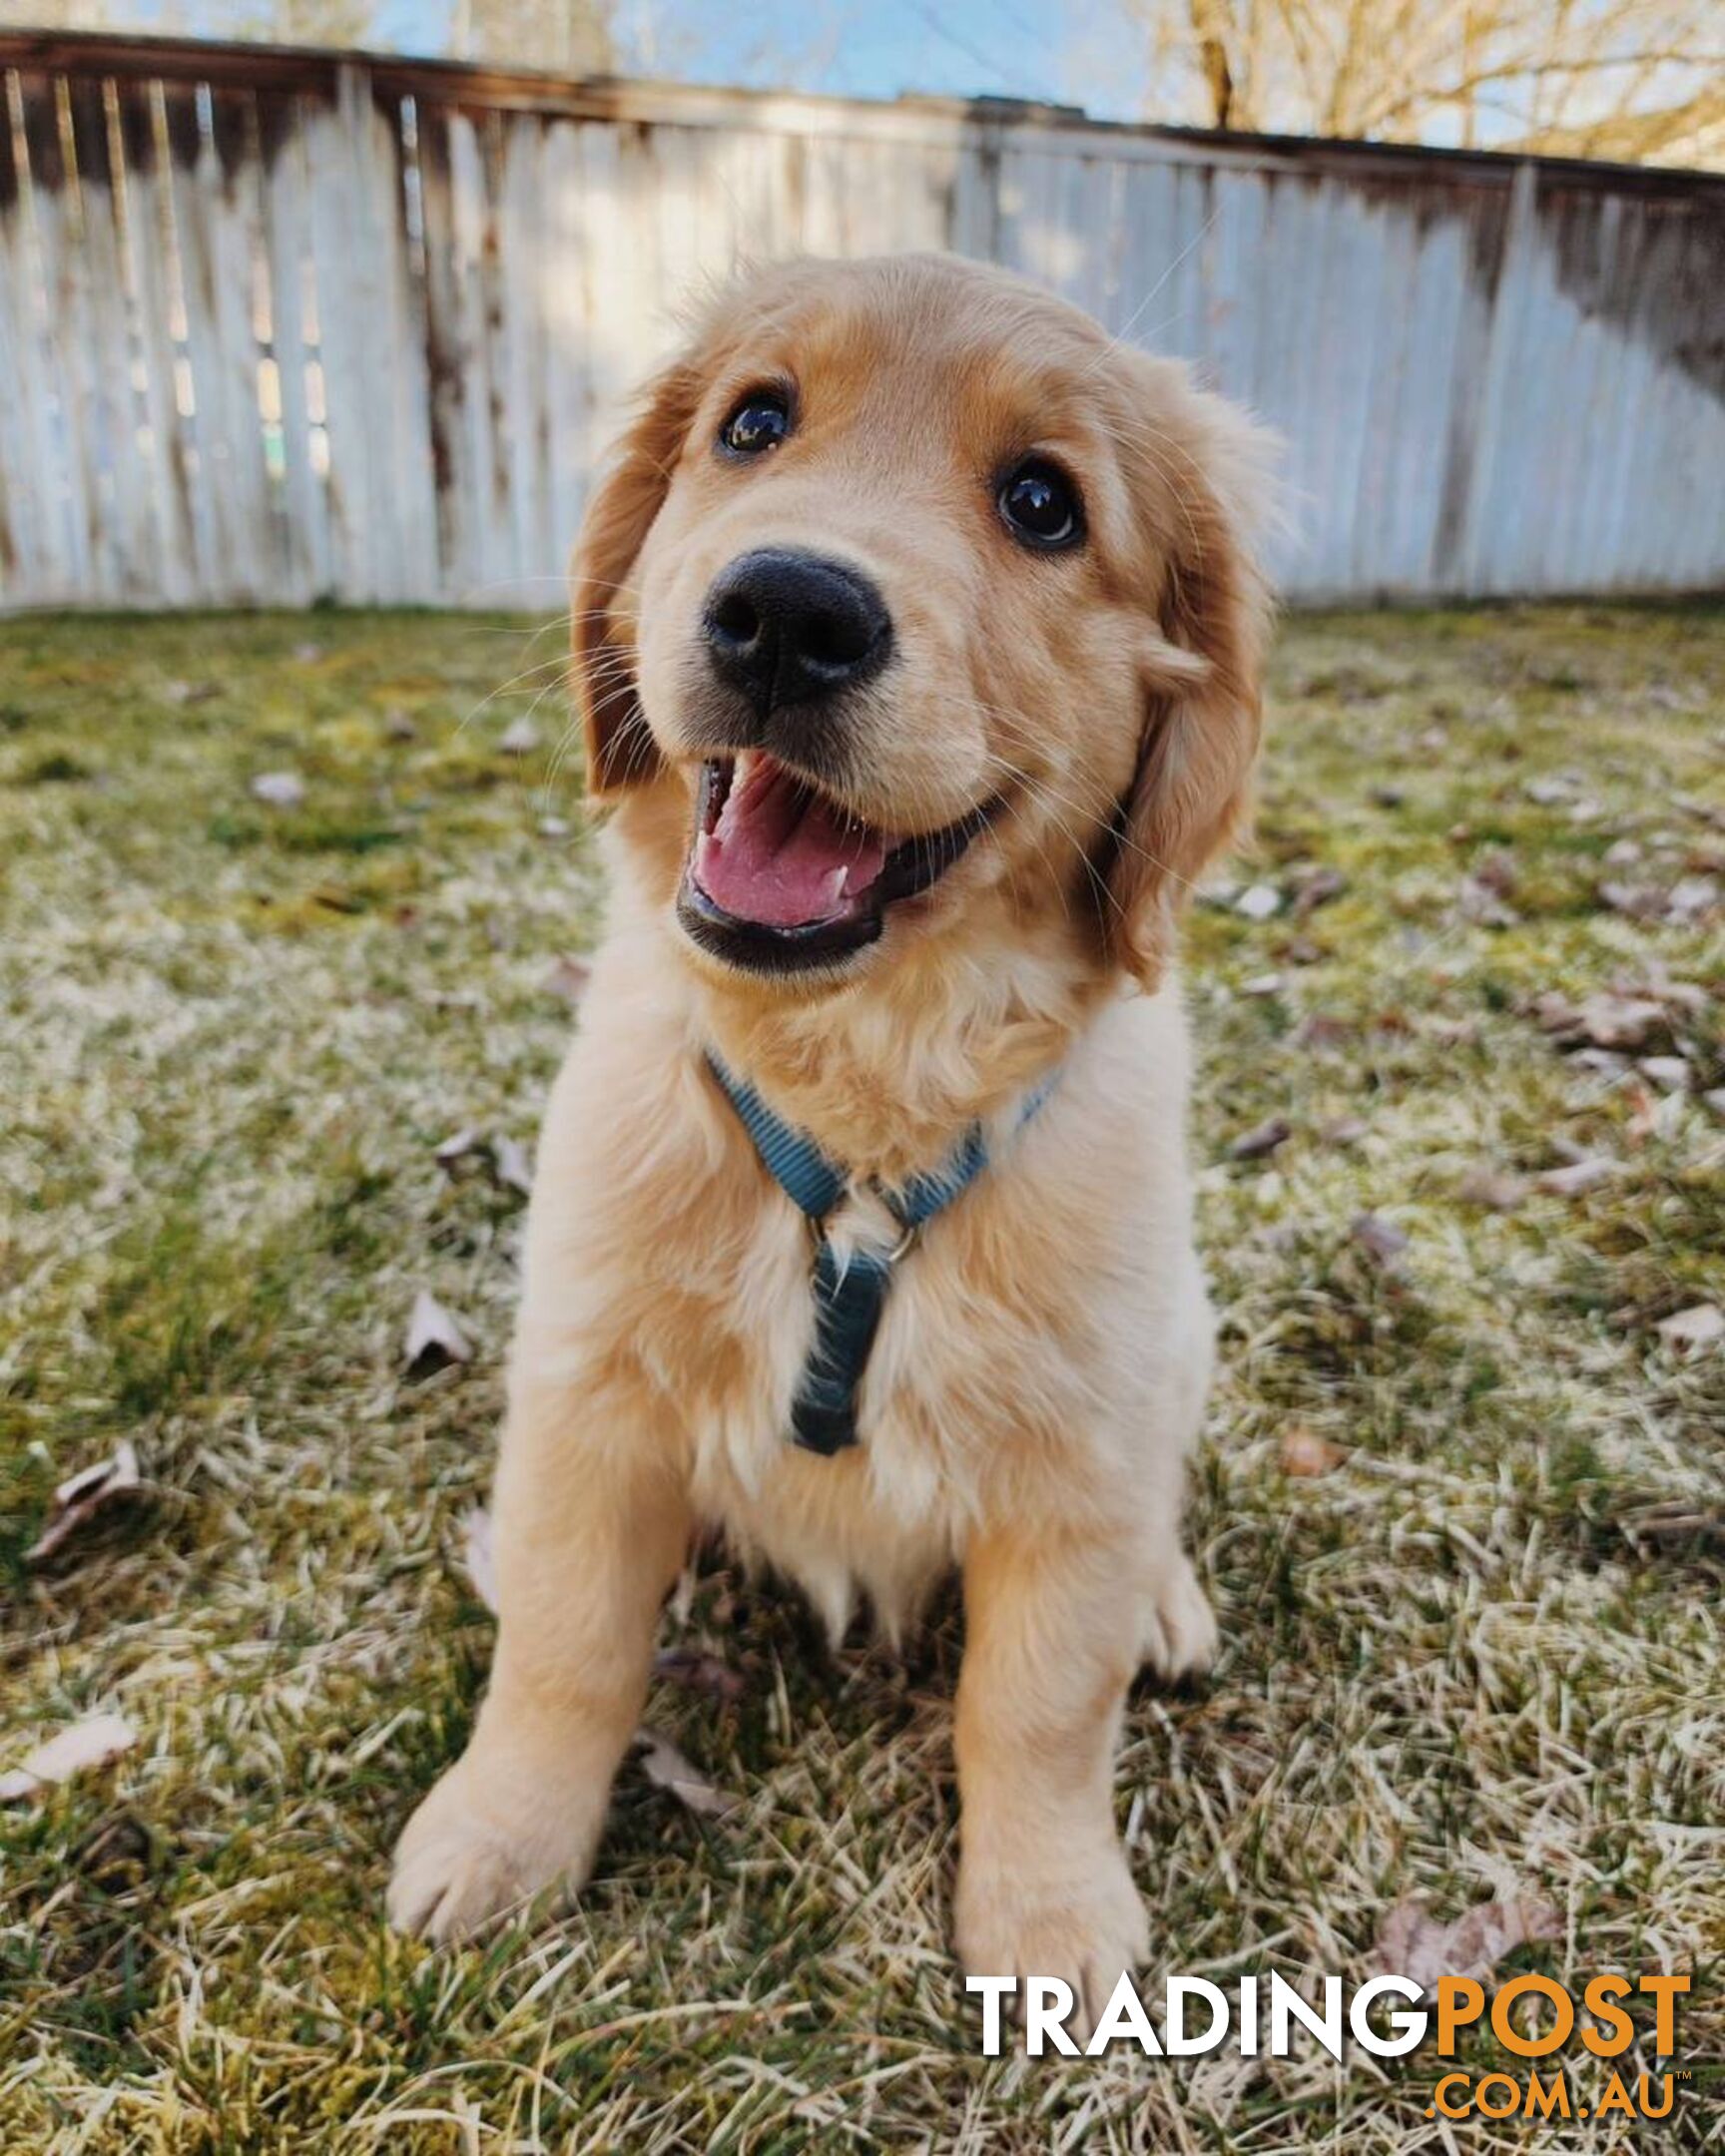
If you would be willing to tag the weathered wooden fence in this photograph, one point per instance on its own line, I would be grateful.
(276, 325)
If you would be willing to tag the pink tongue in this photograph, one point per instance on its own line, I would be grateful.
(779, 855)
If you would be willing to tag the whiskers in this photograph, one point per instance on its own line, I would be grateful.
(1105, 812)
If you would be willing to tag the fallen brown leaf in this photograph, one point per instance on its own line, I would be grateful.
(1497, 871)
(505, 1157)
(80, 1496)
(513, 1168)
(1605, 1019)
(1578, 1176)
(185, 692)
(433, 1337)
(280, 789)
(1381, 1239)
(1700, 1325)
(1496, 1189)
(1636, 901)
(669, 1769)
(1304, 1452)
(1318, 889)
(568, 978)
(82, 1745)
(1484, 908)
(1658, 987)
(1264, 1139)
(1412, 1943)
(1692, 899)
(1320, 1031)
(1548, 791)
(1670, 1073)
(699, 1672)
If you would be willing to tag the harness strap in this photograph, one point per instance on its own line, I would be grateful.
(849, 1295)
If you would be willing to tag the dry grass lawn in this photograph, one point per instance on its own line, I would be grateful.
(1483, 1652)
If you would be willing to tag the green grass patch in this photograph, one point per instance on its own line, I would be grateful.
(1483, 1651)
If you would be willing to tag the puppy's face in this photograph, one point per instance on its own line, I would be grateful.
(925, 590)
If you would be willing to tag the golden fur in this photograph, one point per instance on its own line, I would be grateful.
(1042, 1364)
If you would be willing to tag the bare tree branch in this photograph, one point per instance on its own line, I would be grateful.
(1407, 69)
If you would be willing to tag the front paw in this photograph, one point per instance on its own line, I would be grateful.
(1084, 1925)
(484, 1844)
(1179, 1627)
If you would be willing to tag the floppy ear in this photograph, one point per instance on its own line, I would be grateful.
(1203, 678)
(620, 750)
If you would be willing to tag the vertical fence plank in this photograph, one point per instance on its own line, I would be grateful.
(527, 274)
(567, 281)
(976, 196)
(1417, 474)
(29, 562)
(483, 201)
(123, 536)
(1370, 508)
(609, 366)
(233, 204)
(473, 403)
(226, 532)
(305, 564)
(398, 385)
(447, 370)
(59, 392)
(348, 305)
(173, 456)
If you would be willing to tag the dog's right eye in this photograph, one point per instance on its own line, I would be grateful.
(760, 423)
(1042, 505)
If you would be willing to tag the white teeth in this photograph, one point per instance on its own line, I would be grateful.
(837, 881)
(741, 763)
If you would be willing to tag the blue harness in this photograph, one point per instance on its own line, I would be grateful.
(849, 1295)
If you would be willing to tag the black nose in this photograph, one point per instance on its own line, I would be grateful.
(790, 628)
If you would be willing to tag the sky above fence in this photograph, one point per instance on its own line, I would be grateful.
(1086, 52)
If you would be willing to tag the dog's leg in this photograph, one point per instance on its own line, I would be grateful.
(1052, 1640)
(1179, 1629)
(591, 1526)
(1179, 1635)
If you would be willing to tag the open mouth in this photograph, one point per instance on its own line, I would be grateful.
(782, 875)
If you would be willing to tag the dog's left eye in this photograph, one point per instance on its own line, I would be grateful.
(1042, 505)
(760, 423)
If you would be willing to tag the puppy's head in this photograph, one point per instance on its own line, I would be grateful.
(921, 594)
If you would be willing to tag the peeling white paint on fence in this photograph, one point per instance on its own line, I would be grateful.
(277, 326)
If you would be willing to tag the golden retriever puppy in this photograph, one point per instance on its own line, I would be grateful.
(917, 639)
